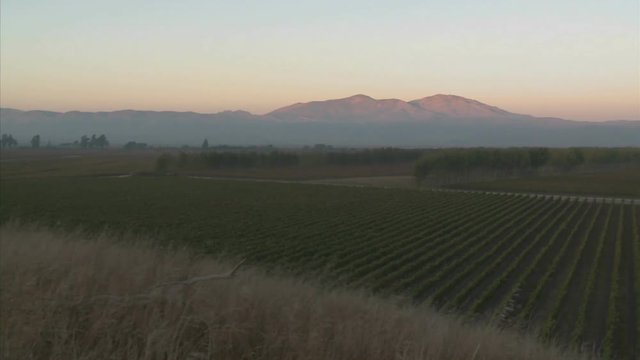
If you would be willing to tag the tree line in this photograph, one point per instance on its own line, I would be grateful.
(8, 141)
(85, 142)
(465, 163)
(457, 162)
(225, 160)
(94, 141)
(371, 156)
(240, 158)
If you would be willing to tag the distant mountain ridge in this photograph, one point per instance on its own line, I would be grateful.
(458, 106)
(359, 120)
(365, 108)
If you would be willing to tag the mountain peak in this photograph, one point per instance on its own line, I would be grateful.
(359, 98)
(356, 108)
(364, 108)
(458, 106)
(447, 97)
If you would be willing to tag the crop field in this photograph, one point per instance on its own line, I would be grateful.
(567, 269)
(68, 162)
(612, 182)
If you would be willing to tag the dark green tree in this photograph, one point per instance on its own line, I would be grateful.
(102, 142)
(8, 141)
(84, 141)
(35, 141)
(205, 144)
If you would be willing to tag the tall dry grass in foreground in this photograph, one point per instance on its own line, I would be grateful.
(64, 297)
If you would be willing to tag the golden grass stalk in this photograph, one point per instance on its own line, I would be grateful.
(65, 297)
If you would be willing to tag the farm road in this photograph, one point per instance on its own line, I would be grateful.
(394, 183)
(370, 182)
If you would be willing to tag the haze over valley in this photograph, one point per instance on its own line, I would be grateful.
(359, 120)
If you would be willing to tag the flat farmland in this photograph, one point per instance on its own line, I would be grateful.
(68, 162)
(568, 269)
(612, 182)
(83, 162)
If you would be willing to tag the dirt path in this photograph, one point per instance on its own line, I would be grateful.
(403, 182)
(406, 181)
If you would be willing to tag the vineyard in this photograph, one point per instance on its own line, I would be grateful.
(567, 269)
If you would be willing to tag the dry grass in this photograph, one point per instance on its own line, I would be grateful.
(64, 297)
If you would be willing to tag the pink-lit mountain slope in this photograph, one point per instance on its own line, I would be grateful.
(362, 108)
(458, 106)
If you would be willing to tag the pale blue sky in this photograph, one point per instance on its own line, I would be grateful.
(573, 59)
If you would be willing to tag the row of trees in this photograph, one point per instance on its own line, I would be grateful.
(269, 157)
(94, 141)
(514, 161)
(462, 161)
(371, 156)
(85, 142)
(8, 141)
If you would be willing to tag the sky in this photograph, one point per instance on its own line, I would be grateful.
(575, 59)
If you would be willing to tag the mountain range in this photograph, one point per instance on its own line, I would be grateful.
(359, 120)
(362, 108)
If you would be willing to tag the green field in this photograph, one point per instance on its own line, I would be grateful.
(82, 162)
(64, 162)
(568, 268)
(616, 183)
